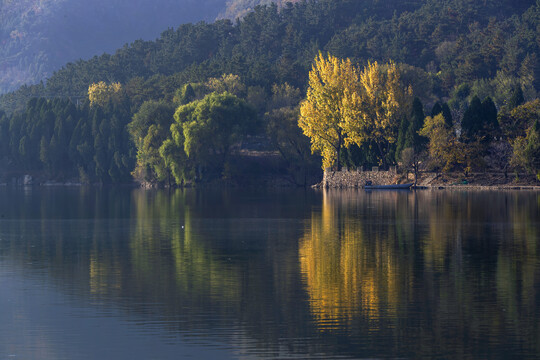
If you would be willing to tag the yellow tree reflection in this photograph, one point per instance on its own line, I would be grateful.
(347, 274)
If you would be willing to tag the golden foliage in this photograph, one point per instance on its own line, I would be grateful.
(321, 113)
(373, 111)
(100, 93)
(226, 83)
(346, 274)
(345, 106)
(444, 148)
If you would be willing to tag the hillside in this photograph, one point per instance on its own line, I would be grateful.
(239, 8)
(39, 36)
(454, 54)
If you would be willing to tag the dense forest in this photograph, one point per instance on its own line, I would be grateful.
(38, 37)
(185, 107)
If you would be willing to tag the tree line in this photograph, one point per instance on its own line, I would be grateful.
(490, 47)
(182, 108)
(370, 111)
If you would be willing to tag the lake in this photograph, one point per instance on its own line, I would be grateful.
(121, 273)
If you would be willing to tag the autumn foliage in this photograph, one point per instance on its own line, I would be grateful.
(346, 106)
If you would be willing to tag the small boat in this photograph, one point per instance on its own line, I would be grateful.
(370, 186)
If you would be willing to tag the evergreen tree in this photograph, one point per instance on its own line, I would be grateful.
(443, 109)
(413, 139)
(490, 125)
(408, 136)
(447, 114)
(402, 133)
(436, 109)
(516, 98)
(472, 121)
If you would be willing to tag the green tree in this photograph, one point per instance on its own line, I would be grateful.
(410, 143)
(149, 128)
(479, 121)
(516, 122)
(443, 109)
(186, 94)
(211, 127)
(516, 99)
(408, 136)
(526, 152)
(285, 135)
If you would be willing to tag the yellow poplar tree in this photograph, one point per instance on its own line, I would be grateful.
(372, 113)
(321, 113)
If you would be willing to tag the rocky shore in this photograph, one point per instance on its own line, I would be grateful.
(429, 180)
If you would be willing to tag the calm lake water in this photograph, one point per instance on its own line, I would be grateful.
(134, 274)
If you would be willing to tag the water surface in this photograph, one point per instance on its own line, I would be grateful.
(131, 274)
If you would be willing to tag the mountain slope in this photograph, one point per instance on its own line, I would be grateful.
(454, 51)
(39, 36)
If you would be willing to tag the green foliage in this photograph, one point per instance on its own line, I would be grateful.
(207, 130)
(516, 99)
(438, 51)
(479, 121)
(443, 109)
(526, 152)
(38, 37)
(285, 135)
(516, 122)
(46, 138)
(456, 52)
(408, 136)
(186, 95)
(148, 129)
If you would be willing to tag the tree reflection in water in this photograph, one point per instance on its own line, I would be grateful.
(432, 272)
(380, 274)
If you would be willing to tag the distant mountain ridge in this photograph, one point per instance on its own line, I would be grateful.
(239, 8)
(37, 37)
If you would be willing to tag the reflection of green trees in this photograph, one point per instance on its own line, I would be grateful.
(216, 252)
(213, 259)
(445, 269)
(518, 276)
(415, 273)
(188, 264)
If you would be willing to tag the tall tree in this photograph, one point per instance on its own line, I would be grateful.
(322, 113)
(410, 143)
(149, 129)
(373, 111)
(479, 121)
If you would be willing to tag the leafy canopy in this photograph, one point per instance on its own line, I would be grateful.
(322, 112)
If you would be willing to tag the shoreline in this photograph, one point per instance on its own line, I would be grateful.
(479, 187)
(429, 181)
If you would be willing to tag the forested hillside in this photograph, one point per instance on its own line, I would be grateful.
(450, 54)
(38, 37)
(238, 8)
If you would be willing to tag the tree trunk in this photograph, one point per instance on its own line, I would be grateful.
(415, 168)
(381, 153)
(338, 150)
